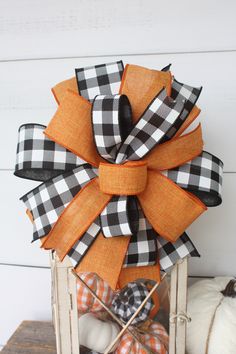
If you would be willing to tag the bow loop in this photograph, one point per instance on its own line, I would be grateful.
(112, 122)
(105, 168)
(154, 124)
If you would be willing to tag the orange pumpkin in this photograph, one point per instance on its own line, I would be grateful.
(155, 338)
(85, 300)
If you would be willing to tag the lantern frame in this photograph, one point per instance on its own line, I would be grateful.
(65, 312)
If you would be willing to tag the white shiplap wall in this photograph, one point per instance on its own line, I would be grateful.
(41, 42)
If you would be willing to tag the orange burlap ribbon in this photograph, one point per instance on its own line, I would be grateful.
(169, 208)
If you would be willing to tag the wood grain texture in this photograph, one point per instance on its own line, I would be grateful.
(49, 29)
(26, 96)
(182, 306)
(64, 301)
(173, 309)
(25, 294)
(32, 337)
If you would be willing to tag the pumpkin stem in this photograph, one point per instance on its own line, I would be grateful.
(230, 290)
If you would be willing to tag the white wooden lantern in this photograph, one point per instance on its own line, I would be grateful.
(65, 313)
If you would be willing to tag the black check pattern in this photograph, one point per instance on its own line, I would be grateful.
(127, 301)
(187, 94)
(107, 114)
(201, 176)
(146, 247)
(47, 201)
(120, 217)
(169, 253)
(39, 158)
(142, 250)
(103, 79)
(153, 125)
(80, 248)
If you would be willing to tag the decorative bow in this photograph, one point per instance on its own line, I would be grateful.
(116, 163)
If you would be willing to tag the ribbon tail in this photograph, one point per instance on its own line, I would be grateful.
(168, 208)
(76, 218)
(170, 252)
(105, 258)
(142, 250)
(188, 121)
(190, 95)
(120, 217)
(81, 247)
(61, 88)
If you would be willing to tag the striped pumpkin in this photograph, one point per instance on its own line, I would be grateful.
(156, 339)
(85, 300)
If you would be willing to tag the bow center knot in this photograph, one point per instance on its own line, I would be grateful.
(126, 179)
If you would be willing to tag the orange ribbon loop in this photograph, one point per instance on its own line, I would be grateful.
(105, 258)
(71, 127)
(176, 151)
(59, 91)
(169, 209)
(127, 179)
(141, 85)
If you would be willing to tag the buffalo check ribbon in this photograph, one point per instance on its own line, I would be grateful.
(120, 183)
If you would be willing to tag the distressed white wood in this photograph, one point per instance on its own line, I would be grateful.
(173, 309)
(52, 28)
(26, 97)
(178, 306)
(25, 294)
(181, 306)
(64, 304)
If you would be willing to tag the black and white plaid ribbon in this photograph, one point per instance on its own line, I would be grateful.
(103, 79)
(158, 118)
(39, 158)
(188, 94)
(117, 141)
(47, 201)
(145, 247)
(201, 176)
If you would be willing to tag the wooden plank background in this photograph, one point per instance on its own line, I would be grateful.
(41, 42)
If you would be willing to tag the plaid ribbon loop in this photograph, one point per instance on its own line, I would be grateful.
(120, 142)
(153, 125)
(112, 122)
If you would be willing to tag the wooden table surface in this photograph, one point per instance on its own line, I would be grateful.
(32, 337)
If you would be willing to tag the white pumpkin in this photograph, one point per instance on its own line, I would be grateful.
(212, 308)
(95, 334)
